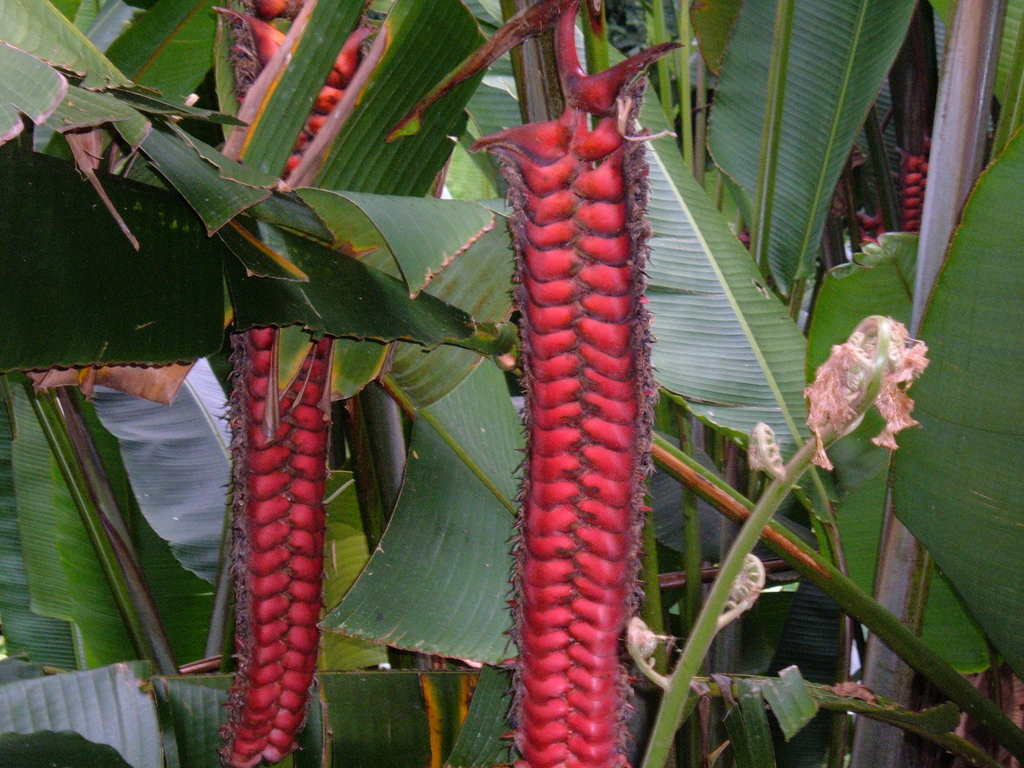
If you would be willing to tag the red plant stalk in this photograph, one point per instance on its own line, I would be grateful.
(579, 226)
(278, 545)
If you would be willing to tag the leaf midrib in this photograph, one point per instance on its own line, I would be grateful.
(834, 128)
(740, 317)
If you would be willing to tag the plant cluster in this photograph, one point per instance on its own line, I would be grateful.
(714, 298)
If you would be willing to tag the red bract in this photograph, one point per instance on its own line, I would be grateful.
(579, 196)
(278, 545)
(264, 40)
(913, 178)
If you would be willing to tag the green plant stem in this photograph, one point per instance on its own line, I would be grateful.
(879, 159)
(220, 614)
(771, 135)
(536, 72)
(650, 609)
(595, 36)
(657, 34)
(80, 465)
(701, 120)
(371, 506)
(694, 590)
(683, 84)
(850, 597)
(693, 560)
(699, 641)
(796, 296)
(383, 421)
(850, 205)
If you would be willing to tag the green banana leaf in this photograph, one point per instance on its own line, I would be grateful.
(275, 129)
(169, 47)
(77, 295)
(29, 87)
(713, 22)
(371, 720)
(178, 461)
(423, 235)
(345, 554)
(724, 342)
(360, 160)
(483, 740)
(957, 484)
(47, 640)
(746, 722)
(839, 55)
(106, 706)
(45, 749)
(64, 575)
(445, 552)
(37, 27)
(478, 281)
(1011, 28)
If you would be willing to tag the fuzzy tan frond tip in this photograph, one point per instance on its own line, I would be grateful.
(876, 365)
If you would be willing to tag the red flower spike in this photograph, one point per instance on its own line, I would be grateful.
(279, 518)
(267, 38)
(580, 241)
(347, 63)
(277, 9)
(914, 178)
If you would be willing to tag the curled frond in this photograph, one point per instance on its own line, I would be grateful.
(876, 365)
(763, 453)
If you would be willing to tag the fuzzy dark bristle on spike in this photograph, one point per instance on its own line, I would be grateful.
(579, 196)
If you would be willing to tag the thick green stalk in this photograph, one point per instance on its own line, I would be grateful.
(691, 531)
(879, 160)
(595, 36)
(703, 633)
(383, 422)
(690, 745)
(536, 71)
(701, 119)
(850, 204)
(771, 135)
(683, 85)
(220, 615)
(657, 34)
(796, 297)
(650, 609)
(850, 597)
(86, 480)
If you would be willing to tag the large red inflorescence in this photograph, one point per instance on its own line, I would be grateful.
(279, 481)
(579, 195)
(279, 543)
